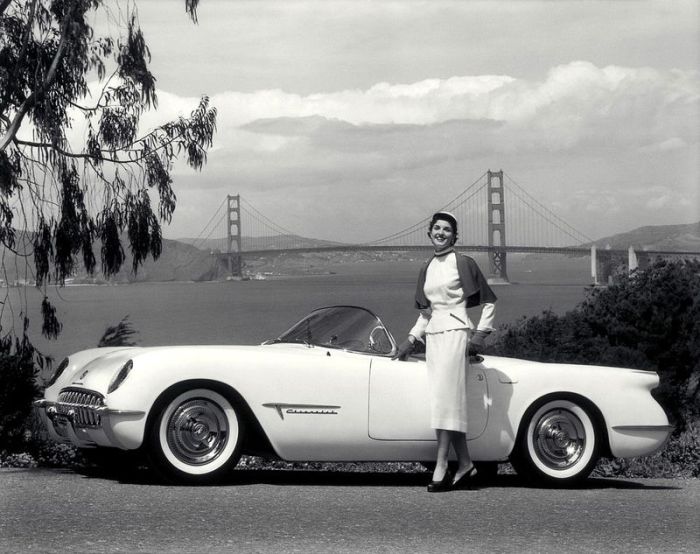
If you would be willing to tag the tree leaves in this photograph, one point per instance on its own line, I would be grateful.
(648, 321)
(72, 199)
(119, 334)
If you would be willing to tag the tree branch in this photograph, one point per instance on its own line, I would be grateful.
(48, 80)
(3, 5)
(22, 53)
(83, 156)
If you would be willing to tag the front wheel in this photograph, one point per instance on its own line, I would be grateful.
(558, 442)
(195, 437)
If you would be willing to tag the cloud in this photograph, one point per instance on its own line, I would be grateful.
(576, 105)
(580, 124)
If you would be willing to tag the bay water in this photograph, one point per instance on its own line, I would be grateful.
(249, 312)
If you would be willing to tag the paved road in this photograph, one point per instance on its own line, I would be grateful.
(303, 511)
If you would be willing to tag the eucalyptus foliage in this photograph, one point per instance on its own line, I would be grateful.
(118, 335)
(64, 204)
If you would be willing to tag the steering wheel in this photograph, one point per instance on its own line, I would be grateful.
(376, 337)
(351, 344)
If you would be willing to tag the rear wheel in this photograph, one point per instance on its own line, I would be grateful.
(195, 436)
(558, 442)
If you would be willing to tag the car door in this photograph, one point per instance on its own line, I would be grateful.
(314, 405)
(399, 404)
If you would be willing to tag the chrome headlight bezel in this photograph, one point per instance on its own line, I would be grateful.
(57, 373)
(120, 376)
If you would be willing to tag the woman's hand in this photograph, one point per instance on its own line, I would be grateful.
(404, 350)
(477, 342)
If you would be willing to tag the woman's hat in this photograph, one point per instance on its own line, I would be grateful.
(447, 216)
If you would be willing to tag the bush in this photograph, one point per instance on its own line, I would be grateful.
(23, 441)
(679, 458)
(18, 375)
(650, 320)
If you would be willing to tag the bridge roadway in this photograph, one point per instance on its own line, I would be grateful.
(573, 250)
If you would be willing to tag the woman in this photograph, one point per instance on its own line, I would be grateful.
(448, 284)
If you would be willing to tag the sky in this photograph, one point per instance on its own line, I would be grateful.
(348, 121)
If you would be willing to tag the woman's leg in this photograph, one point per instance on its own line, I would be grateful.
(464, 461)
(443, 450)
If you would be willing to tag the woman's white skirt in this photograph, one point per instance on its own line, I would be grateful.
(446, 360)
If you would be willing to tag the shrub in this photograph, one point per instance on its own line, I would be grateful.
(18, 375)
(650, 320)
(679, 458)
(23, 441)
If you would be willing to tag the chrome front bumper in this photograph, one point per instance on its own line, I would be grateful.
(80, 417)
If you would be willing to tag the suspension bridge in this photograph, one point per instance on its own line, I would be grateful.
(496, 215)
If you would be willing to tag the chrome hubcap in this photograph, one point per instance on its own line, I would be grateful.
(559, 439)
(197, 431)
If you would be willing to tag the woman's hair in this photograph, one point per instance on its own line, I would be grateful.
(445, 216)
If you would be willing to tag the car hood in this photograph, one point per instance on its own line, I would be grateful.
(94, 369)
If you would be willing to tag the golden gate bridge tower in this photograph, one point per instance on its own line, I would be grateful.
(497, 226)
(233, 233)
(532, 227)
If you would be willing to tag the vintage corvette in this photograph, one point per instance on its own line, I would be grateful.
(328, 390)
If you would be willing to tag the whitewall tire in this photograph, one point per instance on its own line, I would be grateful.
(196, 436)
(559, 442)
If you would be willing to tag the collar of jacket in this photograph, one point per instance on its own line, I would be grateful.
(476, 289)
(444, 252)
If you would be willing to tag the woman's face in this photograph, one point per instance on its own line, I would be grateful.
(441, 235)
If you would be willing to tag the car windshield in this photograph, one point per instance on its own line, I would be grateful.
(345, 327)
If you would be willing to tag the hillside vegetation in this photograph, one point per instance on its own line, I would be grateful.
(657, 237)
(651, 321)
(180, 261)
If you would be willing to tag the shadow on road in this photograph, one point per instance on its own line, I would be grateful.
(248, 477)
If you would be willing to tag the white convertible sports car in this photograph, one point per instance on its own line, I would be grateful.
(328, 390)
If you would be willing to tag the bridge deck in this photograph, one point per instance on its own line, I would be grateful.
(575, 250)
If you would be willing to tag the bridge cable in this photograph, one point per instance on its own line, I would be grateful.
(550, 212)
(422, 222)
(219, 223)
(545, 216)
(272, 225)
(194, 243)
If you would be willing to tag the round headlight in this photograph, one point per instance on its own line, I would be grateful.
(56, 374)
(120, 376)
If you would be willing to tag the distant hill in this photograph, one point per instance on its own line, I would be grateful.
(177, 262)
(656, 237)
(261, 243)
(180, 261)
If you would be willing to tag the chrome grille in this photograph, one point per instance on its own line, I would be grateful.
(80, 406)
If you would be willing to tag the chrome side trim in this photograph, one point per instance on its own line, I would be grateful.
(133, 413)
(309, 409)
(667, 428)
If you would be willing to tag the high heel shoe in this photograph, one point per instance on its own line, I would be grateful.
(441, 486)
(465, 481)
